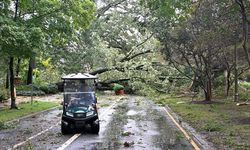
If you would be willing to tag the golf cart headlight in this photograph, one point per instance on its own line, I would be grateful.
(90, 113)
(69, 114)
(91, 108)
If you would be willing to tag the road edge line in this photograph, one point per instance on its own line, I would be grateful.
(194, 144)
(69, 141)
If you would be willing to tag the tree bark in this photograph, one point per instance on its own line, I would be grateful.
(209, 76)
(99, 71)
(18, 67)
(227, 75)
(7, 83)
(12, 85)
(30, 71)
(236, 94)
(208, 91)
(11, 69)
(101, 11)
(244, 28)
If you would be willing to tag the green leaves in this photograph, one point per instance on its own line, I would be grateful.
(52, 20)
(18, 41)
(168, 8)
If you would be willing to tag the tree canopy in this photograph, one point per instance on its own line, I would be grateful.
(152, 44)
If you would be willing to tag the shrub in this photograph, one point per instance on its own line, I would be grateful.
(30, 93)
(26, 90)
(3, 94)
(245, 85)
(49, 89)
(244, 95)
(118, 87)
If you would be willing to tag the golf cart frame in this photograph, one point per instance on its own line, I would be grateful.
(79, 103)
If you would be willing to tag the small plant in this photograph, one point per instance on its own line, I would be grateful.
(27, 131)
(3, 125)
(212, 127)
(127, 133)
(179, 135)
(117, 87)
(29, 146)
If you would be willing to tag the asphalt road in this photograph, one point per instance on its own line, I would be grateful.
(128, 122)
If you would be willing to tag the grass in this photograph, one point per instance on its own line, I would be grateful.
(24, 109)
(223, 122)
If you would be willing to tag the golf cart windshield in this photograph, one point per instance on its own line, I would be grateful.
(78, 95)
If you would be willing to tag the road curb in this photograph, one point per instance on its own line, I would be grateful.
(31, 115)
(195, 136)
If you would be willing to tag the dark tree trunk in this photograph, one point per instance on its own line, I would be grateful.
(12, 85)
(244, 28)
(18, 67)
(208, 90)
(194, 87)
(227, 74)
(236, 93)
(30, 71)
(11, 70)
(7, 84)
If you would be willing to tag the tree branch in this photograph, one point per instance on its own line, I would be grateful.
(244, 29)
(102, 10)
(138, 45)
(127, 58)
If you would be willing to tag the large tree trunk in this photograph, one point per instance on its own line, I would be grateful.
(208, 91)
(227, 74)
(194, 87)
(18, 67)
(7, 83)
(30, 71)
(209, 77)
(12, 85)
(11, 69)
(236, 93)
(244, 28)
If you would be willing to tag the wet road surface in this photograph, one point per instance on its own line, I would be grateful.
(128, 122)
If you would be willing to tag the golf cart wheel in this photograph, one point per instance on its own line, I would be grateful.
(64, 129)
(95, 128)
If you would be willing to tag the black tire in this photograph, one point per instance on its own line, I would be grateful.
(95, 128)
(64, 129)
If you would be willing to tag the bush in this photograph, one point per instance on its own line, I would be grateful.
(118, 87)
(245, 85)
(3, 94)
(244, 95)
(49, 89)
(26, 90)
(30, 93)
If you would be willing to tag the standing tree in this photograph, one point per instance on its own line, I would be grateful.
(31, 25)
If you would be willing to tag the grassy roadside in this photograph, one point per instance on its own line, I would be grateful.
(24, 109)
(224, 124)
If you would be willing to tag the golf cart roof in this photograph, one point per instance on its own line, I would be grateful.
(79, 76)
